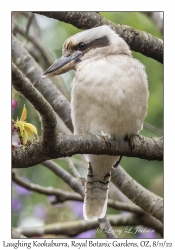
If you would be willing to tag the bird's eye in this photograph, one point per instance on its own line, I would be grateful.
(82, 46)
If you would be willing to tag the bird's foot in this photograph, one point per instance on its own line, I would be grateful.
(131, 140)
(106, 138)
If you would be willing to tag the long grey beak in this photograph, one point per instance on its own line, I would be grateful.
(62, 65)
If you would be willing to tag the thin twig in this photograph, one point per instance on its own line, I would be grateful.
(61, 127)
(61, 195)
(36, 43)
(153, 129)
(29, 21)
(63, 174)
(73, 168)
(125, 206)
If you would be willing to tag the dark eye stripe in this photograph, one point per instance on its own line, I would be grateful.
(100, 42)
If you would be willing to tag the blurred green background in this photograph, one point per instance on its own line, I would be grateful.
(28, 208)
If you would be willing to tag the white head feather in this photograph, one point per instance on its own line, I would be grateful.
(116, 43)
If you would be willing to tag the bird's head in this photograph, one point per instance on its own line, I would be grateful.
(93, 43)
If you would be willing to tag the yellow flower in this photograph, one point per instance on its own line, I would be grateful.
(25, 129)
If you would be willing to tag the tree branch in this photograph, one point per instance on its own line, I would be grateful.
(68, 145)
(34, 72)
(149, 202)
(75, 227)
(73, 183)
(23, 85)
(77, 187)
(138, 41)
(61, 195)
(36, 43)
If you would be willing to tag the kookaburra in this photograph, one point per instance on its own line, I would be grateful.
(109, 97)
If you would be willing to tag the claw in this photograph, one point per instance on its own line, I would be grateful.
(105, 138)
(131, 140)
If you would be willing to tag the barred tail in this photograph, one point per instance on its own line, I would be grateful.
(96, 194)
